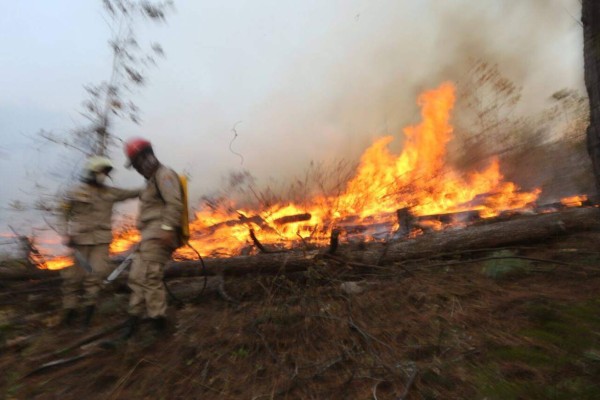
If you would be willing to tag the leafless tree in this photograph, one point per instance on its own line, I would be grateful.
(107, 100)
(111, 98)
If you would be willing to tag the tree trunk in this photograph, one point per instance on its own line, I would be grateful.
(590, 18)
(518, 230)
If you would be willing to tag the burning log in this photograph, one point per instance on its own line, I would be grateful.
(520, 229)
(271, 263)
(292, 218)
(447, 218)
(363, 228)
(242, 219)
(259, 221)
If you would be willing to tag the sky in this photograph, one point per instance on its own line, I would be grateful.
(301, 81)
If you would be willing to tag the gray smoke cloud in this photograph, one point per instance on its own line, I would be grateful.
(361, 79)
(310, 81)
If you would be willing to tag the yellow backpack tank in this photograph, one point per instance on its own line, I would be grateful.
(185, 217)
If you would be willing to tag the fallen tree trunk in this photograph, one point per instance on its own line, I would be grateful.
(522, 229)
(18, 274)
(519, 230)
(269, 263)
(292, 218)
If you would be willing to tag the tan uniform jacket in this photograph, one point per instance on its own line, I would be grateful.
(87, 213)
(160, 203)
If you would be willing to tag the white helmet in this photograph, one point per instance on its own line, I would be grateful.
(98, 164)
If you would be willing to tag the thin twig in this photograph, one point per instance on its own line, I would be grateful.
(375, 390)
(124, 379)
(265, 344)
(410, 382)
(91, 338)
(235, 135)
(257, 243)
(62, 362)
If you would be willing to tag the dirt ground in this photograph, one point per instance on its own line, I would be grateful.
(462, 326)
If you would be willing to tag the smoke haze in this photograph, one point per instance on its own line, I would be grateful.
(312, 81)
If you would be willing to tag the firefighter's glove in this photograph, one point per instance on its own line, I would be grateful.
(68, 241)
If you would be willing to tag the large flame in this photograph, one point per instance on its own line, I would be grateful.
(419, 178)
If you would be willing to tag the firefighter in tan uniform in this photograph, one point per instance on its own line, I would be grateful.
(85, 224)
(159, 222)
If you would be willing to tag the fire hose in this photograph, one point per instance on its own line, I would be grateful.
(177, 300)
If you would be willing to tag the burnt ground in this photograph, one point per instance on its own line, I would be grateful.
(452, 328)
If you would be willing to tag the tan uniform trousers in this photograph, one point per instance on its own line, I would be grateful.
(146, 280)
(76, 279)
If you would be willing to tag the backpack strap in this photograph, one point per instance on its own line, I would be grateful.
(179, 230)
(158, 188)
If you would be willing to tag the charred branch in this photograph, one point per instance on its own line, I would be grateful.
(405, 221)
(292, 218)
(257, 243)
(242, 219)
(334, 241)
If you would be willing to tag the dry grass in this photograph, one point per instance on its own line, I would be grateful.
(449, 332)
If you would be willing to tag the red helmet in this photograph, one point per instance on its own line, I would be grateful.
(134, 146)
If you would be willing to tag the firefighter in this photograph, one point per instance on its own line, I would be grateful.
(85, 224)
(159, 223)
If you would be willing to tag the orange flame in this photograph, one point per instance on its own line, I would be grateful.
(574, 201)
(123, 240)
(418, 178)
(56, 263)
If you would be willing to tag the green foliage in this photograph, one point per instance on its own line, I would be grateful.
(564, 342)
(13, 384)
(532, 356)
(503, 268)
(240, 352)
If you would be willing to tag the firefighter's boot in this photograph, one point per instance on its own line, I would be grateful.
(160, 325)
(87, 315)
(131, 327)
(69, 316)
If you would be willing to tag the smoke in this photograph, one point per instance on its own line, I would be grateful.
(536, 44)
(361, 79)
